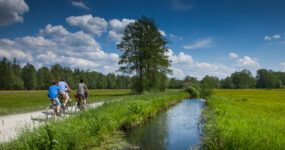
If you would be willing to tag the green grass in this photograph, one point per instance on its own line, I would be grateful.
(245, 119)
(13, 102)
(88, 129)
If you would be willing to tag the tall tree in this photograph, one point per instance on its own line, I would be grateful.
(243, 79)
(211, 82)
(29, 75)
(144, 53)
(110, 79)
(7, 77)
(44, 78)
(18, 82)
(227, 83)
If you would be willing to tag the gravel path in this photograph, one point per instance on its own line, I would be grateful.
(10, 125)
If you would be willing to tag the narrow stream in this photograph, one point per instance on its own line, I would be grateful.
(175, 129)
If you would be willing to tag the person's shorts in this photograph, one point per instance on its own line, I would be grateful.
(81, 95)
(65, 96)
(55, 100)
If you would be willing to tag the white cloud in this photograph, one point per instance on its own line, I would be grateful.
(54, 30)
(12, 11)
(248, 63)
(34, 42)
(80, 5)
(162, 33)
(117, 29)
(199, 44)
(268, 38)
(175, 38)
(183, 64)
(282, 65)
(277, 36)
(16, 53)
(89, 24)
(233, 55)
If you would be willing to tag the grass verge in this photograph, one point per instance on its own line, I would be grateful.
(87, 129)
(245, 119)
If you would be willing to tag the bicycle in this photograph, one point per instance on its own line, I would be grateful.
(69, 107)
(53, 107)
(80, 101)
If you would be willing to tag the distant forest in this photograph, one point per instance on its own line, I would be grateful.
(15, 77)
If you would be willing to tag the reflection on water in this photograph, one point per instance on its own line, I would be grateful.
(174, 130)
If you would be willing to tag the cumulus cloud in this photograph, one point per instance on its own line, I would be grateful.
(175, 38)
(277, 36)
(162, 33)
(248, 63)
(54, 30)
(184, 64)
(233, 55)
(268, 38)
(199, 44)
(80, 5)
(282, 65)
(34, 42)
(16, 53)
(89, 24)
(117, 28)
(12, 11)
(55, 44)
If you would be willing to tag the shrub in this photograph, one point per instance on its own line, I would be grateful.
(206, 92)
(193, 92)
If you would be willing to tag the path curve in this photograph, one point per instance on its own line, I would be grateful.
(10, 125)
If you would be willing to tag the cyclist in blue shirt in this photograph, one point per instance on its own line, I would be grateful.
(64, 88)
(52, 95)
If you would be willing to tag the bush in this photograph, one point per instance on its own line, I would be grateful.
(193, 92)
(206, 92)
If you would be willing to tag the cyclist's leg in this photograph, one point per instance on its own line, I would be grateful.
(84, 102)
(65, 99)
(78, 100)
(57, 104)
(55, 101)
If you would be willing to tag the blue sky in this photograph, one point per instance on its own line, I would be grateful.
(214, 37)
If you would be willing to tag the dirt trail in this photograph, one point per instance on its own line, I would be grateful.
(10, 125)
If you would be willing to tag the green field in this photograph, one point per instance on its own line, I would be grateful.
(245, 119)
(88, 129)
(13, 102)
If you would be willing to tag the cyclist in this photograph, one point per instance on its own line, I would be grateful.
(80, 91)
(52, 95)
(64, 88)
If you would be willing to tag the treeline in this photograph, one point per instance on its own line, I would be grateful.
(14, 77)
(244, 79)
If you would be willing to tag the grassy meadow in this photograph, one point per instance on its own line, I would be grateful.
(245, 119)
(13, 102)
(89, 129)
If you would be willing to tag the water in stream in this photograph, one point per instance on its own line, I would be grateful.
(175, 129)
